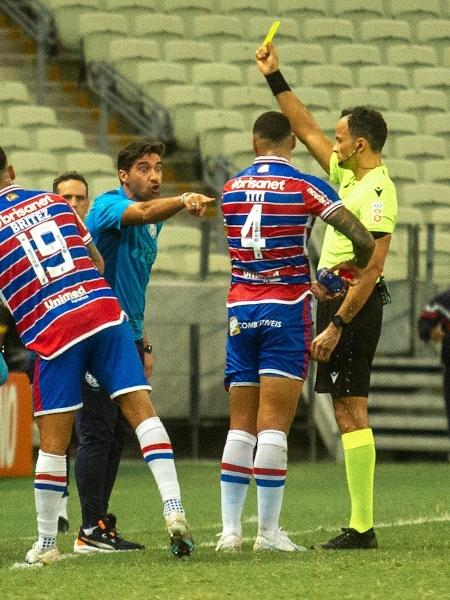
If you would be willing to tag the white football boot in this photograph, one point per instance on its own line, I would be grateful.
(181, 541)
(229, 543)
(44, 557)
(277, 542)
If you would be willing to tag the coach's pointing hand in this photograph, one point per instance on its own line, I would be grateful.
(196, 204)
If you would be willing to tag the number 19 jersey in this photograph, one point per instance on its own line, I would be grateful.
(269, 210)
(47, 279)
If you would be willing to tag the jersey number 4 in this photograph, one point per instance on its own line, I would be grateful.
(251, 231)
(57, 245)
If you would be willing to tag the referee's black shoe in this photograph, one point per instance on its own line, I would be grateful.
(350, 539)
(120, 543)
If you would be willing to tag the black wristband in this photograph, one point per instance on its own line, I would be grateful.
(277, 83)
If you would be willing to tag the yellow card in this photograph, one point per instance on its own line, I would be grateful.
(272, 31)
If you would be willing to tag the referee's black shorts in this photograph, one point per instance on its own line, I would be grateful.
(348, 371)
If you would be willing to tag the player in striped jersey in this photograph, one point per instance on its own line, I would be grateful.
(68, 315)
(269, 210)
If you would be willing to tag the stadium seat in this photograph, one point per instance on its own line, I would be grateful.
(217, 28)
(385, 31)
(400, 122)
(101, 184)
(245, 8)
(66, 14)
(402, 171)
(314, 98)
(447, 56)
(432, 77)
(188, 8)
(187, 52)
(355, 54)
(434, 31)
(247, 100)
(127, 52)
(438, 124)
(297, 54)
(14, 138)
(97, 29)
(328, 76)
(406, 55)
(90, 164)
(414, 9)
(384, 77)
(408, 215)
(216, 75)
(13, 92)
(327, 120)
(219, 264)
(32, 163)
(377, 98)
(323, 30)
(182, 101)
(257, 27)
(238, 148)
(159, 27)
(177, 263)
(300, 9)
(31, 117)
(422, 100)
(438, 216)
(154, 77)
(179, 237)
(238, 53)
(419, 147)
(437, 171)
(356, 9)
(59, 141)
(426, 195)
(131, 8)
(44, 183)
(211, 125)
(254, 77)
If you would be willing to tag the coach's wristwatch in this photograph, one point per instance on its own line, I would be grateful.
(338, 321)
(148, 348)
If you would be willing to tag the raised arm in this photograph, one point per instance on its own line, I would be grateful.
(303, 123)
(350, 226)
(161, 209)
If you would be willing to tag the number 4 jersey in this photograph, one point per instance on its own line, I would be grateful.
(47, 279)
(269, 210)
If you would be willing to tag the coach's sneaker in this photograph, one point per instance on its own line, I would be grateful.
(279, 541)
(231, 542)
(350, 539)
(181, 541)
(122, 545)
(44, 557)
(100, 540)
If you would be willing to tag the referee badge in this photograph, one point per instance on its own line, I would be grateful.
(234, 326)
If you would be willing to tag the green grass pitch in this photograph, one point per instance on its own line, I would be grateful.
(412, 524)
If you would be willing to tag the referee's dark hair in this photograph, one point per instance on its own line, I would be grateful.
(273, 126)
(368, 123)
(130, 154)
(68, 176)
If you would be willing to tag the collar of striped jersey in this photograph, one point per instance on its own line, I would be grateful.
(272, 159)
(9, 188)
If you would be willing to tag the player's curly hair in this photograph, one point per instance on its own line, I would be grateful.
(273, 126)
(368, 123)
(131, 153)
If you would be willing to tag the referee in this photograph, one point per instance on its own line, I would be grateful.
(348, 328)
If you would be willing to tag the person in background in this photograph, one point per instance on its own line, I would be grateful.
(349, 327)
(269, 209)
(434, 326)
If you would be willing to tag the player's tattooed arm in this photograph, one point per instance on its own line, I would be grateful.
(347, 224)
(96, 257)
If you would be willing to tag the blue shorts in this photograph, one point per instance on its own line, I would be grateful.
(268, 339)
(110, 355)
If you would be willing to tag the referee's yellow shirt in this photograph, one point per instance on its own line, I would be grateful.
(373, 200)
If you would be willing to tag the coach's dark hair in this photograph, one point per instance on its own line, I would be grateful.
(3, 160)
(130, 154)
(366, 122)
(272, 126)
(67, 176)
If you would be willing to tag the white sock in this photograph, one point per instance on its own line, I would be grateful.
(270, 474)
(63, 508)
(157, 452)
(49, 485)
(235, 475)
